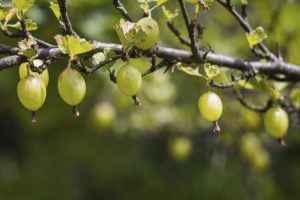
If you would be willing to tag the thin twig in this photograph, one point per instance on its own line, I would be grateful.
(65, 17)
(190, 26)
(120, 7)
(177, 33)
(247, 28)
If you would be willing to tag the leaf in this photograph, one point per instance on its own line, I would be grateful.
(129, 33)
(10, 14)
(4, 11)
(73, 45)
(256, 36)
(55, 8)
(190, 70)
(23, 5)
(28, 48)
(30, 25)
(168, 14)
(145, 7)
(211, 70)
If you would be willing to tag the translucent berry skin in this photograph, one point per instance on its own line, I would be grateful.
(31, 91)
(192, 1)
(276, 122)
(71, 86)
(210, 106)
(44, 75)
(151, 29)
(129, 80)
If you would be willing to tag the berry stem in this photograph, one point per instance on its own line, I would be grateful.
(33, 117)
(217, 128)
(75, 111)
(136, 100)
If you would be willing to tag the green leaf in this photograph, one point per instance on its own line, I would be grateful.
(4, 11)
(145, 7)
(30, 25)
(256, 36)
(211, 70)
(73, 45)
(23, 5)
(190, 70)
(28, 48)
(129, 33)
(168, 14)
(55, 8)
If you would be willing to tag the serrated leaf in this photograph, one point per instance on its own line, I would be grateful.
(129, 33)
(4, 11)
(73, 45)
(55, 9)
(23, 5)
(190, 70)
(168, 14)
(211, 70)
(256, 36)
(28, 48)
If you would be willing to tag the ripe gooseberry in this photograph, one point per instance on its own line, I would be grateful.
(276, 122)
(129, 80)
(31, 91)
(210, 106)
(151, 28)
(71, 87)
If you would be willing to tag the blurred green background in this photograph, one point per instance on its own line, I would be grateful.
(162, 150)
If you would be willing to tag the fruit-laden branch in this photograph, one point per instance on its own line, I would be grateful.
(290, 71)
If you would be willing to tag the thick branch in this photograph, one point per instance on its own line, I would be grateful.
(269, 68)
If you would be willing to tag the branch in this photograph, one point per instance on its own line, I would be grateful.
(247, 28)
(269, 68)
(65, 17)
(177, 33)
(190, 26)
(4, 49)
(119, 6)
